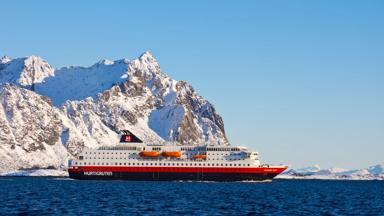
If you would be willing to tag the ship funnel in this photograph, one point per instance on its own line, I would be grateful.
(128, 137)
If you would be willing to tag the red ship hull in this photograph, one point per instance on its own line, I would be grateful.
(175, 173)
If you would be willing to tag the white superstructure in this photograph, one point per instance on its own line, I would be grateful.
(140, 154)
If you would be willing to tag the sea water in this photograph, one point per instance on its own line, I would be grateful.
(63, 196)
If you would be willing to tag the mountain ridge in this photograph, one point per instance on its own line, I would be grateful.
(90, 105)
(375, 172)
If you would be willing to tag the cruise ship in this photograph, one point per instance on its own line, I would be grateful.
(132, 159)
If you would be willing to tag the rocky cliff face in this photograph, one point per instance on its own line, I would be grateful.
(30, 131)
(47, 115)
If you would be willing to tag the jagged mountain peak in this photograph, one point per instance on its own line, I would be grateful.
(104, 62)
(25, 71)
(147, 56)
(146, 66)
(5, 59)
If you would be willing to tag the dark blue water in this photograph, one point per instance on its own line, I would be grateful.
(42, 196)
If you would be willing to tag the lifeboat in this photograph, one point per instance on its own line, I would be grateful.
(171, 154)
(200, 156)
(149, 154)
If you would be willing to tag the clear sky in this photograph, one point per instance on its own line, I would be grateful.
(302, 82)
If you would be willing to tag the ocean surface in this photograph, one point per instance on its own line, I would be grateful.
(63, 196)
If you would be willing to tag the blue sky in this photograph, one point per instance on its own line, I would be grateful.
(302, 82)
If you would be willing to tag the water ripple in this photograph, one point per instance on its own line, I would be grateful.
(44, 196)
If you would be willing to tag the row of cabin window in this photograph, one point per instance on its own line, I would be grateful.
(81, 158)
(153, 149)
(108, 153)
(223, 149)
(230, 159)
(160, 164)
(119, 148)
(193, 148)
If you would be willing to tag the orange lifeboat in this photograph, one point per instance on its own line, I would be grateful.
(149, 154)
(171, 154)
(200, 156)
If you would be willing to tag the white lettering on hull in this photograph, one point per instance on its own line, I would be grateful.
(98, 173)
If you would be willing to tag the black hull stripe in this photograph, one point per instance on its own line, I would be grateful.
(171, 176)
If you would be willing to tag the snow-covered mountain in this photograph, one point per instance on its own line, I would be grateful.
(24, 71)
(315, 172)
(48, 115)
